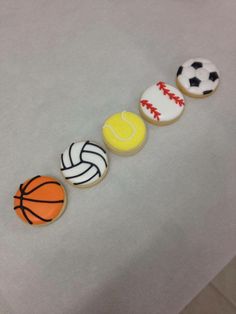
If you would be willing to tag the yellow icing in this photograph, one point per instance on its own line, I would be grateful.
(124, 131)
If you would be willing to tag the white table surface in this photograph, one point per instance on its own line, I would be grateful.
(163, 222)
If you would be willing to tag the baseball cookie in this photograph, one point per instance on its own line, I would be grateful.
(197, 77)
(161, 104)
(124, 133)
(40, 200)
(84, 164)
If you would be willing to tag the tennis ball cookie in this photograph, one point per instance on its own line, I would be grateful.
(198, 77)
(84, 164)
(161, 104)
(124, 133)
(40, 200)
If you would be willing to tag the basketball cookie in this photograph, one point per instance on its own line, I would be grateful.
(161, 104)
(124, 133)
(84, 164)
(197, 77)
(40, 200)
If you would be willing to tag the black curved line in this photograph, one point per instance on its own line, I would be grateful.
(23, 209)
(98, 170)
(34, 214)
(42, 184)
(26, 217)
(87, 180)
(23, 212)
(28, 183)
(37, 201)
(83, 161)
(80, 155)
(93, 144)
(89, 163)
(16, 207)
(20, 188)
(70, 167)
(78, 175)
(89, 151)
(62, 161)
(70, 154)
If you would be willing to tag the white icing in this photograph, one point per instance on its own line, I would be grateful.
(207, 85)
(189, 72)
(202, 73)
(184, 81)
(83, 163)
(168, 108)
(132, 126)
(194, 90)
(210, 67)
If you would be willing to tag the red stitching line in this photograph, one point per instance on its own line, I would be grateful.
(162, 86)
(151, 108)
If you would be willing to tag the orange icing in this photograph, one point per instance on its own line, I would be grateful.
(40, 196)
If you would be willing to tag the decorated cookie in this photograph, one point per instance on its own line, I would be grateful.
(161, 104)
(40, 200)
(84, 164)
(124, 133)
(197, 77)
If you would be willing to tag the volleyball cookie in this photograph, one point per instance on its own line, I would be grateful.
(40, 200)
(161, 104)
(84, 164)
(197, 77)
(124, 133)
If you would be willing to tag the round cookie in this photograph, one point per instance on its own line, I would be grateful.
(124, 133)
(161, 104)
(197, 77)
(40, 200)
(84, 164)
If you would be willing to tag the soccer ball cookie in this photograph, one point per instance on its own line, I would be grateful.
(124, 133)
(84, 164)
(161, 104)
(197, 77)
(40, 200)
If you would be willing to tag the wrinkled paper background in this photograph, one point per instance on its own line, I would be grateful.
(163, 222)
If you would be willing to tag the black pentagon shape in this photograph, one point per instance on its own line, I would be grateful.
(194, 81)
(213, 76)
(180, 70)
(206, 92)
(196, 65)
